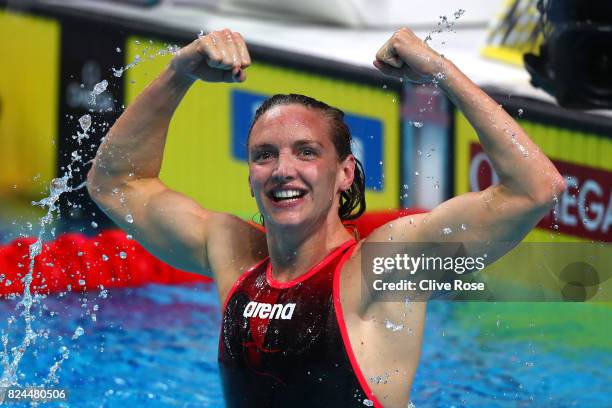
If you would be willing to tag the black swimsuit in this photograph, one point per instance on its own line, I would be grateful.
(286, 345)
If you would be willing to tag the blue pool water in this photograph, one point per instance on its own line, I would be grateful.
(156, 346)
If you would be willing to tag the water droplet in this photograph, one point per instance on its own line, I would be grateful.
(100, 87)
(458, 13)
(118, 49)
(416, 173)
(85, 122)
(447, 231)
(463, 227)
(384, 87)
(122, 255)
(129, 218)
(393, 327)
(94, 224)
(418, 124)
(78, 333)
(104, 257)
(368, 403)
(82, 282)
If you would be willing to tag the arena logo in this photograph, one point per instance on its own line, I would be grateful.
(268, 311)
(584, 209)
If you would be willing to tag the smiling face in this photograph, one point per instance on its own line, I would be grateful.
(294, 171)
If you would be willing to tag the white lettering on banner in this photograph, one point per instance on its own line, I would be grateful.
(268, 311)
(590, 199)
(566, 201)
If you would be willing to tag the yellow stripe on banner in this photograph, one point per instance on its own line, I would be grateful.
(508, 55)
(198, 159)
(29, 84)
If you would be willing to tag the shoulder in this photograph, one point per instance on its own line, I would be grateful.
(234, 245)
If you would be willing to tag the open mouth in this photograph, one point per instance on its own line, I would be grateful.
(286, 194)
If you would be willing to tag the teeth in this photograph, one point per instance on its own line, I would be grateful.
(286, 193)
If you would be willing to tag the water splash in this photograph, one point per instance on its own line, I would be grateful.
(57, 187)
(97, 90)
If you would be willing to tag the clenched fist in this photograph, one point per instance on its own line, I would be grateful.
(405, 55)
(220, 56)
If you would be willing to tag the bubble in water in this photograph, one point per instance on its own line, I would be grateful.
(129, 218)
(94, 224)
(520, 112)
(368, 403)
(82, 282)
(122, 255)
(418, 124)
(118, 72)
(118, 49)
(85, 122)
(463, 227)
(104, 257)
(447, 231)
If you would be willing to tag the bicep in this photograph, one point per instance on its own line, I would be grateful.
(170, 225)
(475, 219)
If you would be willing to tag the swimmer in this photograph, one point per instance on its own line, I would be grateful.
(296, 330)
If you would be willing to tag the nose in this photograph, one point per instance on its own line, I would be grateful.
(284, 168)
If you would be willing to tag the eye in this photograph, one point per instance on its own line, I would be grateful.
(308, 153)
(261, 156)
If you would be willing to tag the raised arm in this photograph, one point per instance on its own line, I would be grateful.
(529, 182)
(124, 179)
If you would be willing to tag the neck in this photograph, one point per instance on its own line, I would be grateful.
(293, 251)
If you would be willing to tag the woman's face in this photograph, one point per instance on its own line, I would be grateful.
(294, 172)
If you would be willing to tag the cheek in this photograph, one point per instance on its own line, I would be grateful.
(257, 177)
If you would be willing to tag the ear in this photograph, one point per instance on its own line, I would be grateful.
(346, 175)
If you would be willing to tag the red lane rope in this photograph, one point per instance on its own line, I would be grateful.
(109, 259)
(79, 263)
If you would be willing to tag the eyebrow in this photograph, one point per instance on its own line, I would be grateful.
(297, 143)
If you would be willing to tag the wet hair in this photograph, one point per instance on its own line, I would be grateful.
(352, 201)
